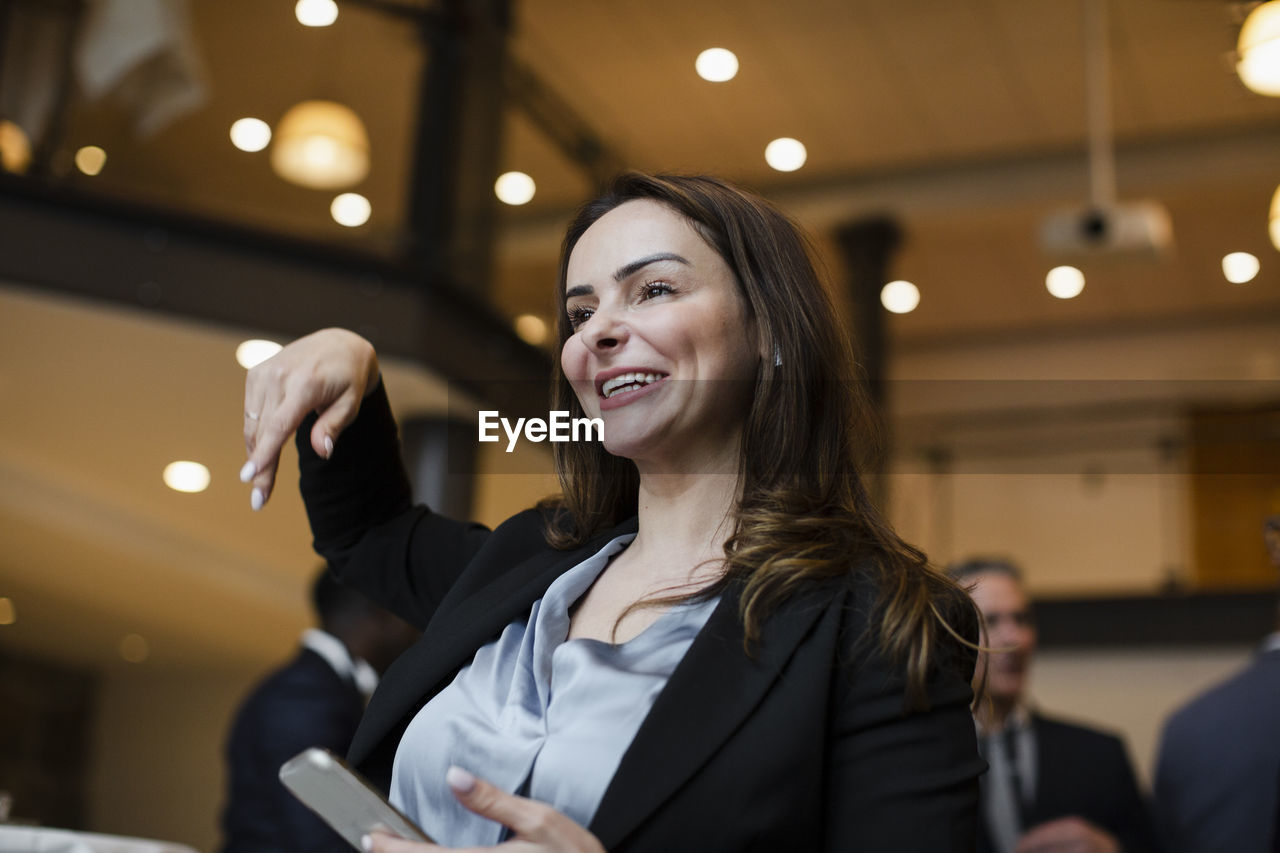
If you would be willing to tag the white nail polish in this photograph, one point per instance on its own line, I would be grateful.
(459, 780)
(247, 471)
(257, 499)
(328, 447)
(366, 842)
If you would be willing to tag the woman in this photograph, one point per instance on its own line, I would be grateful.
(744, 655)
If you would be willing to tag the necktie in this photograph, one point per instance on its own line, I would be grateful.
(1010, 737)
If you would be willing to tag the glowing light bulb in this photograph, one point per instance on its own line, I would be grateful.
(716, 65)
(514, 188)
(900, 297)
(250, 134)
(785, 154)
(1064, 282)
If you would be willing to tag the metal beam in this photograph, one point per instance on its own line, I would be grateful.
(203, 270)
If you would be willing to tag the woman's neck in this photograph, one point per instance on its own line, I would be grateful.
(684, 522)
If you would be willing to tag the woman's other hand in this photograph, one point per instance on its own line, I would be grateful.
(536, 827)
(328, 372)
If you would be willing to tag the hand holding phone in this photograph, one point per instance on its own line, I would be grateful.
(343, 798)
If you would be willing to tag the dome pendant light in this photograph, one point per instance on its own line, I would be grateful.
(1259, 50)
(321, 145)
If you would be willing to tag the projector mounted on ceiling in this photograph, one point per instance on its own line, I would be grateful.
(1105, 226)
(1138, 228)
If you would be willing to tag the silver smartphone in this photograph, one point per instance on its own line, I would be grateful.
(343, 798)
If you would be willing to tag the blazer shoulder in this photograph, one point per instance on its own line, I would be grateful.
(1077, 736)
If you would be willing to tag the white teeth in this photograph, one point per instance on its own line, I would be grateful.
(627, 382)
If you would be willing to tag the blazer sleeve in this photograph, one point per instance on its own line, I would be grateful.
(364, 523)
(905, 780)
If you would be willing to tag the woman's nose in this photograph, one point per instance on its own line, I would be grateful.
(604, 331)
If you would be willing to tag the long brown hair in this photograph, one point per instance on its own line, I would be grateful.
(804, 513)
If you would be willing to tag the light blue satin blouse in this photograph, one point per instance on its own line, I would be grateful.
(537, 714)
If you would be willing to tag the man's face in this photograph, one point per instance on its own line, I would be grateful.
(1009, 634)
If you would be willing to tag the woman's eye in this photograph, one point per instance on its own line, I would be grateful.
(579, 315)
(655, 288)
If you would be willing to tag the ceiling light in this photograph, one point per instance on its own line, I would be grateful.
(532, 329)
(514, 188)
(716, 65)
(322, 145)
(250, 134)
(785, 154)
(1240, 267)
(183, 476)
(134, 648)
(316, 13)
(1273, 221)
(900, 297)
(251, 353)
(351, 210)
(15, 148)
(1064, 282)
(90, 159)
(8, 615)
(1259, 50)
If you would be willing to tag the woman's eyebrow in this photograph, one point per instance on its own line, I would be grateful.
(635, 266)
(627, 270)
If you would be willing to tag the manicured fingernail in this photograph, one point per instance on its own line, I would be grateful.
(247, 472)
(257, 499)
(328, 447)
(460, 780)
(366, 841)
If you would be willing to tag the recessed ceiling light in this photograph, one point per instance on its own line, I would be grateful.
(350, 209)
(253, 352)
(514, 188)
(532, 329)
(1240, 267)
(716, 65)
(316, 13)
(184, 476)
(250, 134)
(134, 648)
(90, 159)
(900, 297)
(1064, 282)
(785, 154)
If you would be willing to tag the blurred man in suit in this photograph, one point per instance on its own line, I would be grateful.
(1052, 785)
(314, 700)
(1216, 774)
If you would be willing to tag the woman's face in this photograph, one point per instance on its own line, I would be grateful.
(663, 349)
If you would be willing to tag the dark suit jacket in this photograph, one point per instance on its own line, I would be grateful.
(1085, 772)
(305, 703)
(804, 746)
(1216, 775)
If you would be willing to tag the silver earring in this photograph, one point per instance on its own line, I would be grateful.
(777, 356)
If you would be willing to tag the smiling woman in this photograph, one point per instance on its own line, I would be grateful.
(743, 653)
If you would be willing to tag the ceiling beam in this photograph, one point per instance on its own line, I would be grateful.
(210, 271)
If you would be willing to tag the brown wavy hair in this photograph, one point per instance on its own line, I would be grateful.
(804, 514)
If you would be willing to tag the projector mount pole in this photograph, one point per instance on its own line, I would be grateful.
(1097, 59)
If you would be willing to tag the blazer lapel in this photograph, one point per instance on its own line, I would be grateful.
(458, 631)
(718, 680)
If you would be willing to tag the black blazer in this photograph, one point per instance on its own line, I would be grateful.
(803, 746)
(305, 703)
(1084, 772)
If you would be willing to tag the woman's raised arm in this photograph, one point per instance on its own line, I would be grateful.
(328, 372)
